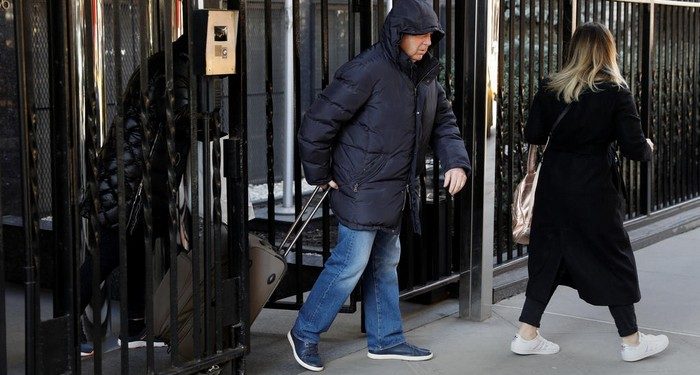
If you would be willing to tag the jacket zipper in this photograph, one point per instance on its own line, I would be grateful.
(415, 126)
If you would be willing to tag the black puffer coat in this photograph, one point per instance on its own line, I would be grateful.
(370, 128)
(133, 136)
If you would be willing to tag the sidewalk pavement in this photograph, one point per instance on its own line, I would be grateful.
(669, 274)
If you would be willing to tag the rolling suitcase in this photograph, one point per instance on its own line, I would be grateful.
(268, 266)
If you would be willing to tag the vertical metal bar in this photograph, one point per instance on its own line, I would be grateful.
(325, 77)
(507, 244)
(92, 135)
(351, 29)
(296, 27)
(596, 13)
(166, 27)
(522, 107)
(673, 186)
(379, 18)
(567, 26)
(216, 248)
(62, 167)
(668, 77)
(473, 198)
(541, 42)
(269, 127)
(3, 324)
(696, 105)
(619, 32)
(119, 128)
(550, 38)
(503, 96)
(430, 263)
(646, 100)
(657, 110)
(666, 93)
(678, 89)
(238, 191)
(448, 49)
(451, 264)
(207, 248)
(365, 8)
(29, 185)
(195, 243)
(461, 214)
(684, 109)
(148, 139)
(64, 184)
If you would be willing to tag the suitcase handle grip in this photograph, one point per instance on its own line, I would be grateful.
(282, 249)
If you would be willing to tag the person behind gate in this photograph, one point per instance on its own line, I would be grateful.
(577, 237)
(365, 137)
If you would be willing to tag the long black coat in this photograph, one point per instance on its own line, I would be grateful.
(578, 213)
(370, 128)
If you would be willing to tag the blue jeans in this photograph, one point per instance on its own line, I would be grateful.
(373, 255)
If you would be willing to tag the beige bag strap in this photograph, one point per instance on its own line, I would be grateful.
(532, 159)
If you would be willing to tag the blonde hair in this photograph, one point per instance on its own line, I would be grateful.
(592, 59)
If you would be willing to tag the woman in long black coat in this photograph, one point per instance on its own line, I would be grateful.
(577, 236)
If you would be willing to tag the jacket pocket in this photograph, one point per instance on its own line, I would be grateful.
(371, 169)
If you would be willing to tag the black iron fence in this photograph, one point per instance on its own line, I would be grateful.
(658, 55)
(117, 69)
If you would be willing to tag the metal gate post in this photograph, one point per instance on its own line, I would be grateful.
(476, 204)
(29, 185)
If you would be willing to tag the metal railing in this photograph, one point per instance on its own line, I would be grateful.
(657, 46)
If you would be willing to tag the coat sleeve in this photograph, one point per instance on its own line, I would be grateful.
(445, 139)
(337, 104)
(537, 127)
(628, 129)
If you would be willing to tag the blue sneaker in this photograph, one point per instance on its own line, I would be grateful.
(405, 352)
(86, 349)
(306, 354)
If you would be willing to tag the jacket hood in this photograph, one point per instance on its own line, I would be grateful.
(409, 17)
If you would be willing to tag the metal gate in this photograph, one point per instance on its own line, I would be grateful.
(96, 54)
(657, 43)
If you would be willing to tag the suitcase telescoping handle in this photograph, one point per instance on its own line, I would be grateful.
(284, 251)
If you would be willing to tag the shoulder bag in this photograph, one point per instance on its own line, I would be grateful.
(524, 195)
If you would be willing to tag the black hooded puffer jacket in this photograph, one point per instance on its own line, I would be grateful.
(370, 128)
(133, 136)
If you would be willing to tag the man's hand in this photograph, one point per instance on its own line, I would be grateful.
(330, 183)
(455, 179)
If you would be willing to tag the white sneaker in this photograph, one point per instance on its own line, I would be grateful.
(538, 345)
(648, 346)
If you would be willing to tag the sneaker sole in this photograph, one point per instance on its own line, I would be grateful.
(141, 344)
(533, 352)
(86, 355)
(296, 357)
(400, 357)
(646, 355)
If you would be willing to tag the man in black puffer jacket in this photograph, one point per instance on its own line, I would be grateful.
(366, 137)
(107, 213)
